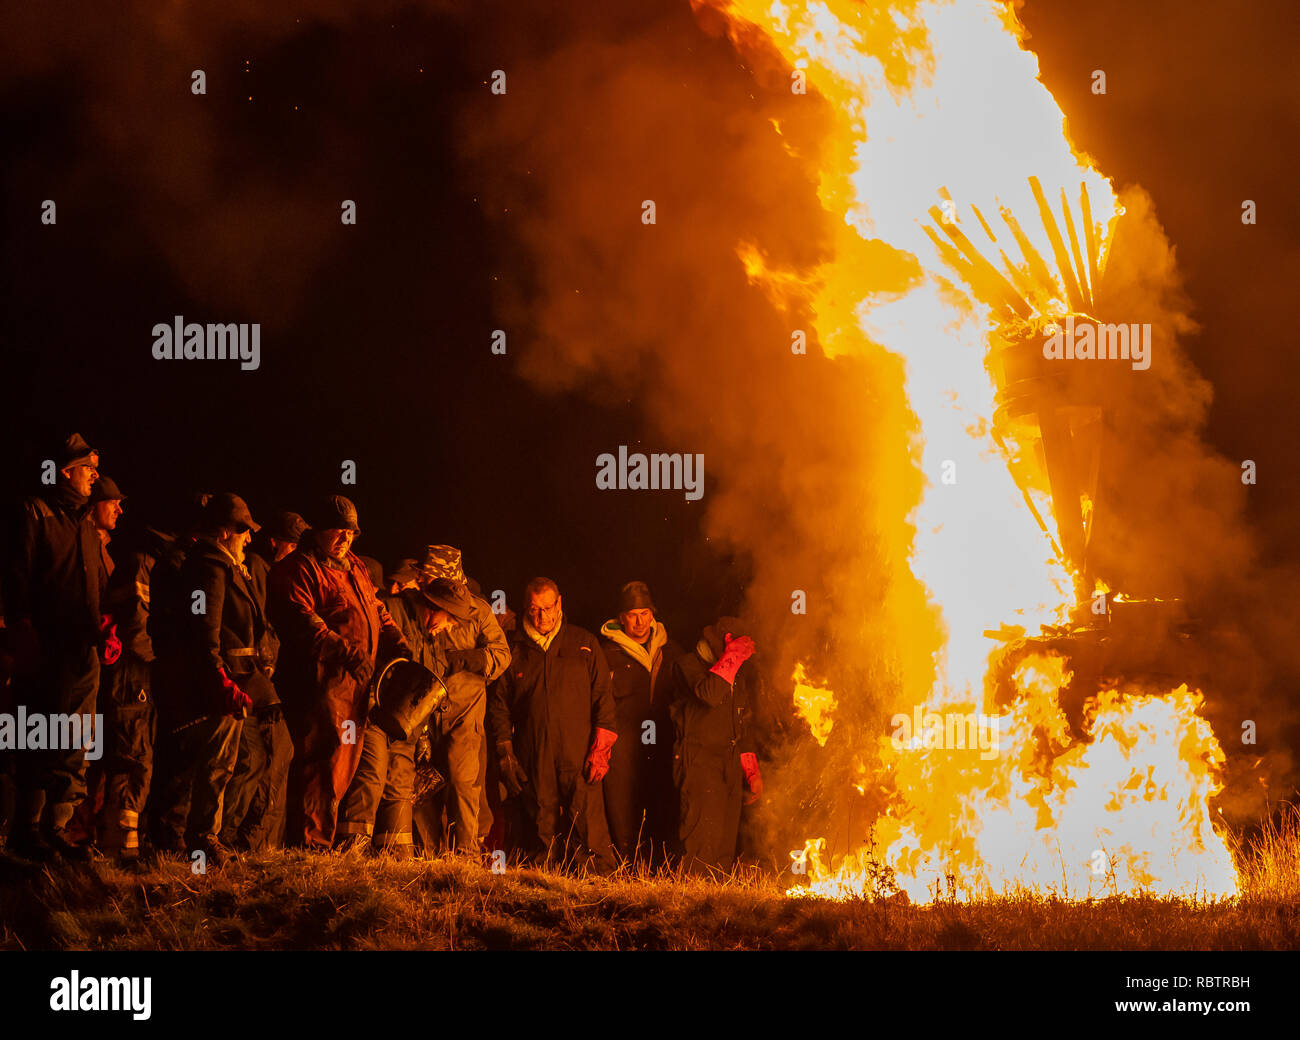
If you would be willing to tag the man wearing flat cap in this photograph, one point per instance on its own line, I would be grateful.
(53, 582)
(224, 676)
(334, 634)
(714, 759)
(639, 794)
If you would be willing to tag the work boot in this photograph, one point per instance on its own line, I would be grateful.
(355, 844)
(216, 854)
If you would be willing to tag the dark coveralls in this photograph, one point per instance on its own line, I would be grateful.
(203, 749)
(53, 580)
(639, 794)
(711, 732)
(322, 611)
(130, 717)
(549, 705)
(255, 799)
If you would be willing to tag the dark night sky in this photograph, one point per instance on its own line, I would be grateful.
(375, 337)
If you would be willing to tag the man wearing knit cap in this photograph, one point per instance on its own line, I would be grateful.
(639, 794)
(53, 581)
(714, 758)
(334, 635)
(477, 653)
(551, 718)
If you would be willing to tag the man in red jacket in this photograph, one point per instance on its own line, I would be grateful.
(333, 633)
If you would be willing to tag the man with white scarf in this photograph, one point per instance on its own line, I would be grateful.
(639, 795)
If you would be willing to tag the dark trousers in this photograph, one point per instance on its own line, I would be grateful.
(567, 815)
(709, 783)
(255, 798)
(130, 722)
(52, 783)
(452, 816)
(196, 763)
(378, 802)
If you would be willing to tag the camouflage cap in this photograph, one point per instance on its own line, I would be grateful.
(442, 561)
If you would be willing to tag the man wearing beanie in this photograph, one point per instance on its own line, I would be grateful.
(334, 636)
(639, 795)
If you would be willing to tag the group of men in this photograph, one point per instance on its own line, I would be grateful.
(236, 667)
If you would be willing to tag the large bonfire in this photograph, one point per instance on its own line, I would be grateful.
(1007, 774)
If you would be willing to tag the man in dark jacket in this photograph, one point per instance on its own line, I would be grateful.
(255, 799)
(713, 756)
(638, 790)
(334, 633)
(551, 716)
(53, 582)
(222, 671)
(130, 718)
(477, 653)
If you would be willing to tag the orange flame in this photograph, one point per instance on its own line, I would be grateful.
(938, 111)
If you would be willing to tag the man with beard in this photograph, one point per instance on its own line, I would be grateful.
(713, 756)
(53, 581)
(638, 789)
(551, 716)
(334, 633)
(223, 675)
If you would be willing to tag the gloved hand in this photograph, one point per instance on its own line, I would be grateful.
(111, 647)
(737, 651)
(749, 763)
(360, 666)
(237, 702)
(597, 764)
(512, 773)
(473, 661)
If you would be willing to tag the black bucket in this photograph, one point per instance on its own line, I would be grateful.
(406, 695)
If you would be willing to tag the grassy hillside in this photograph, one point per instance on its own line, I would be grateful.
(291, 900)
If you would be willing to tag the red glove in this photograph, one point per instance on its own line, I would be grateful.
(737, 652)
(237, 702)
(598, 757)
(749, 763)
(112, 648)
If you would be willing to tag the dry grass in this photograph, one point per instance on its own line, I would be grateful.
(292, 900)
